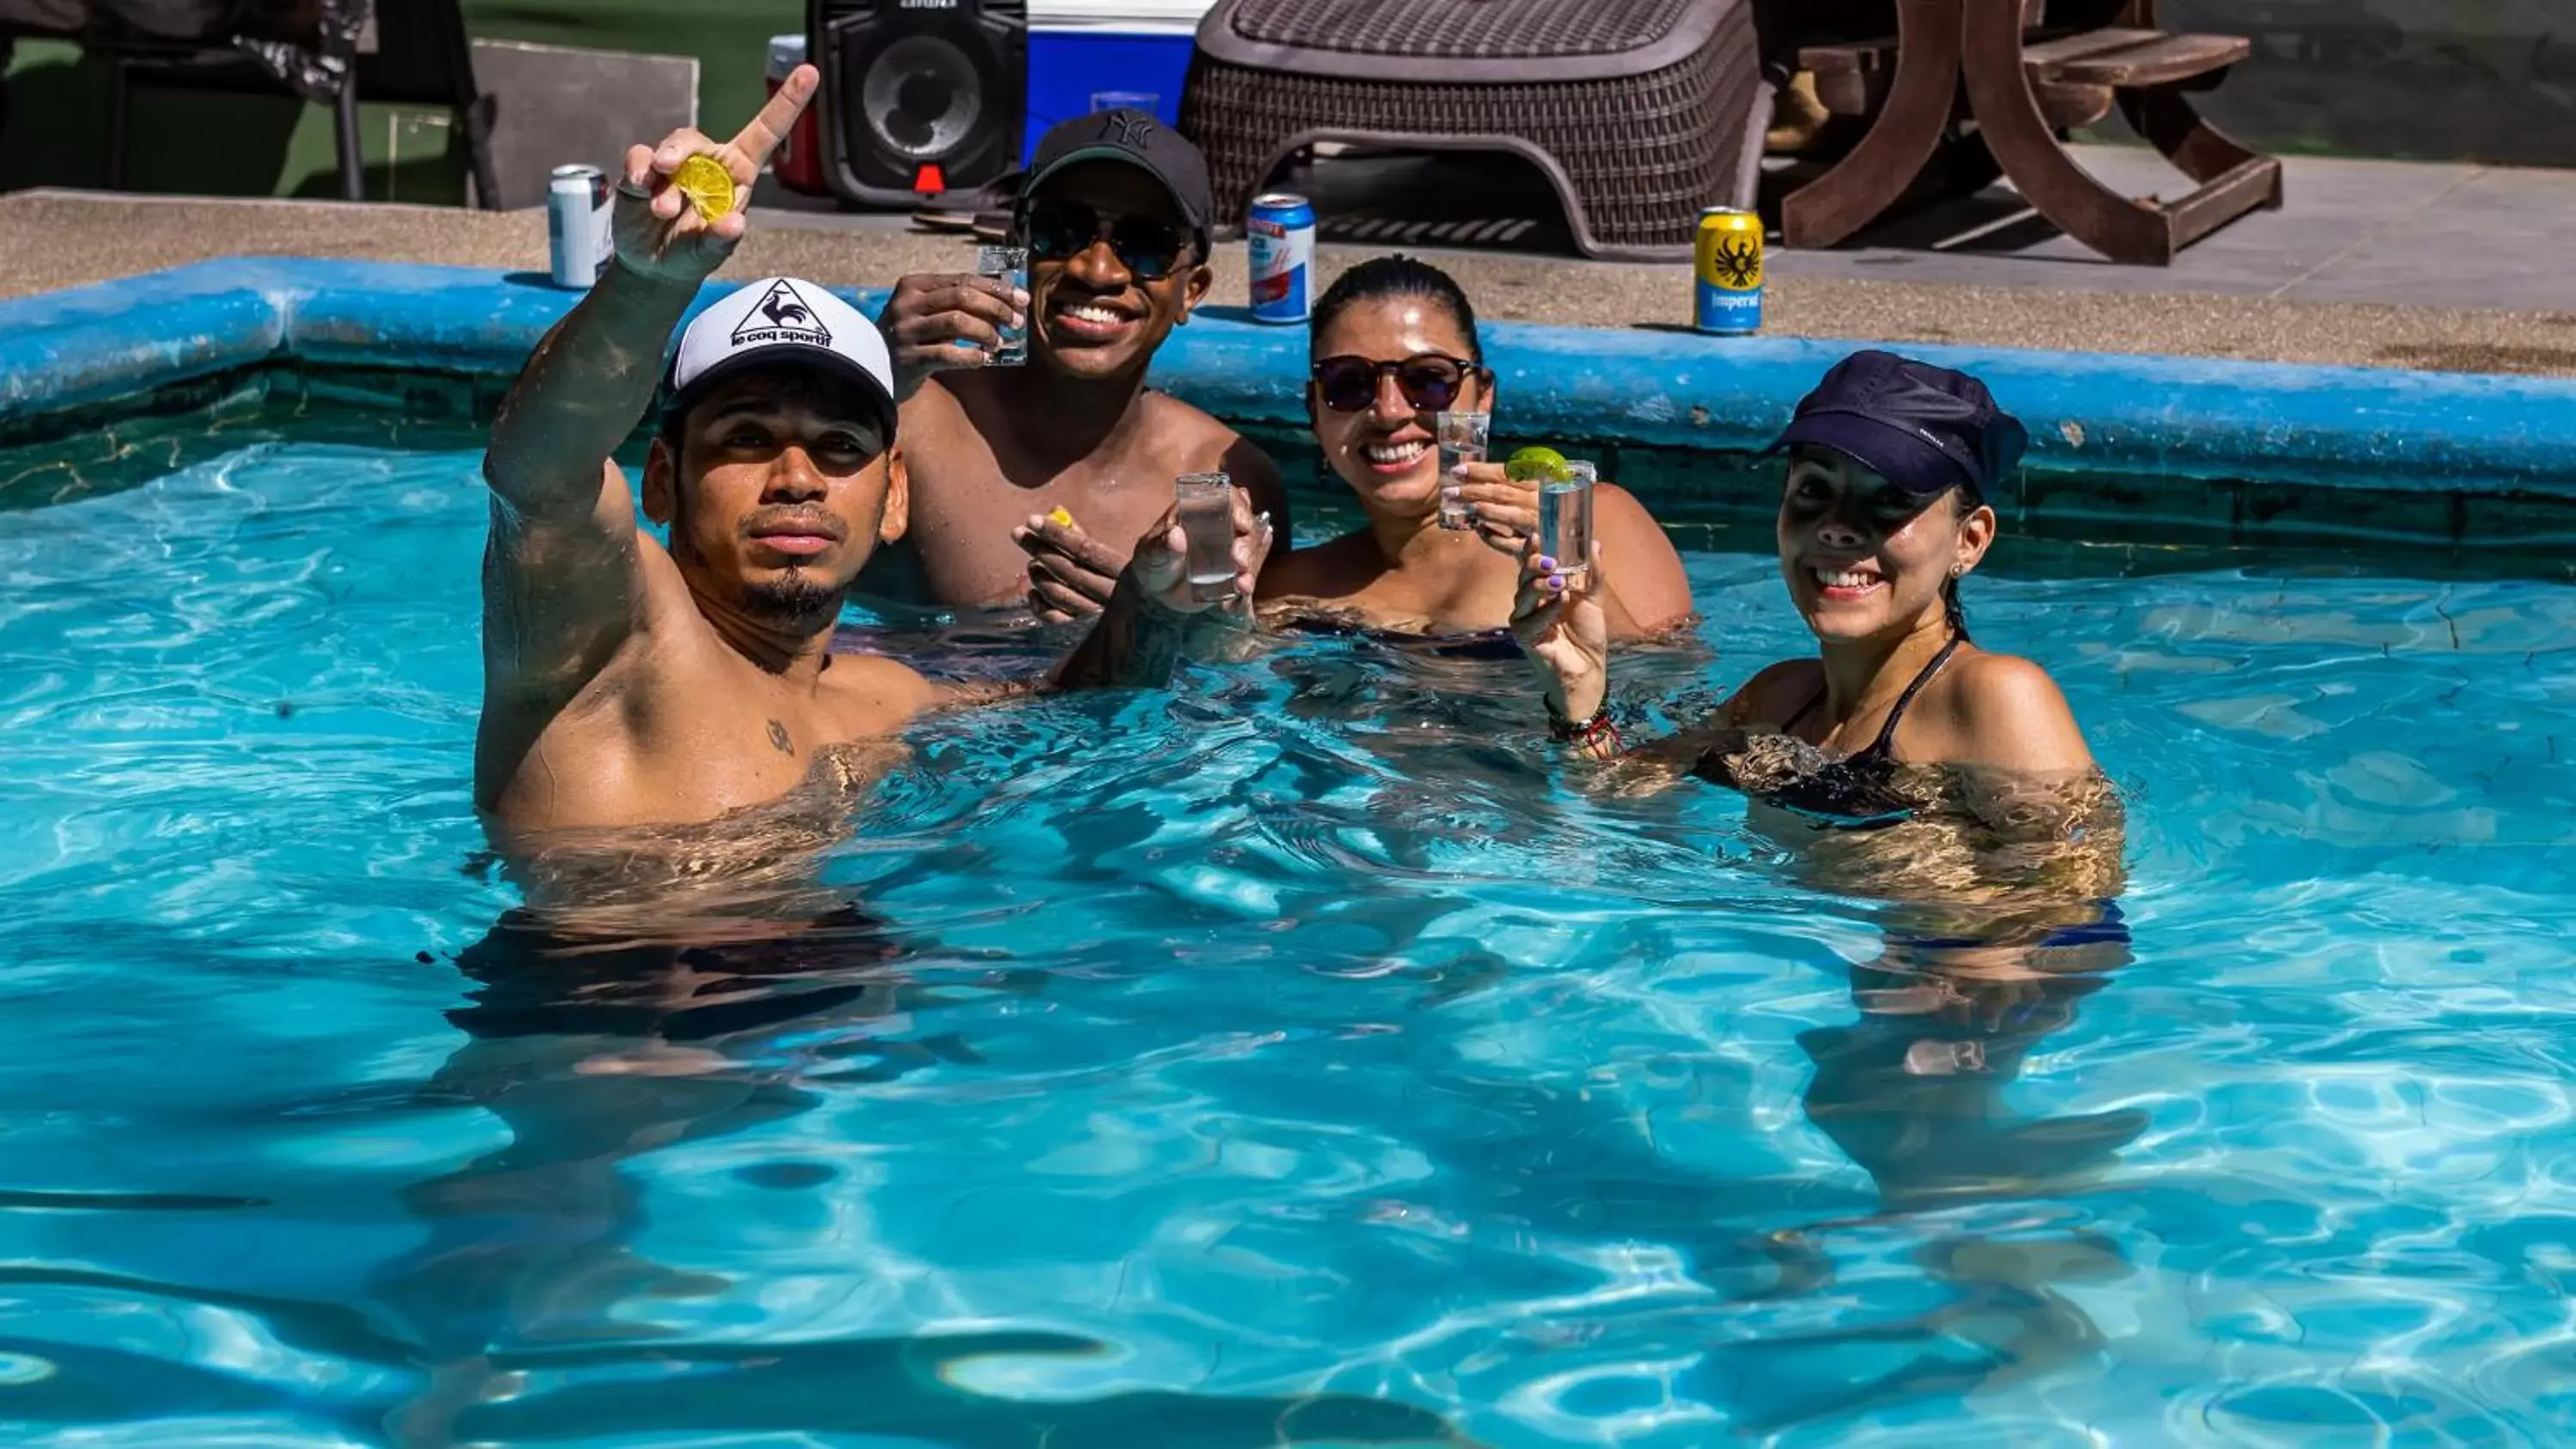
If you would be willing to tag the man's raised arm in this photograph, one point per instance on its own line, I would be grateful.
(563, 576)
(581, 393)
(591, 378)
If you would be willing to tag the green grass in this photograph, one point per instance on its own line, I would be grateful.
(252, 145)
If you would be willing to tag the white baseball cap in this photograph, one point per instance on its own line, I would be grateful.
(783, 320)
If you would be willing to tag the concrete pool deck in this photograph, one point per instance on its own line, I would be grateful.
(2340, 277)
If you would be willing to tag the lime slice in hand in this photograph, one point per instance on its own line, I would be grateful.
(707, 185)
(1535, 465)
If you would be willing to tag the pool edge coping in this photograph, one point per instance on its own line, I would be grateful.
(2090, 414)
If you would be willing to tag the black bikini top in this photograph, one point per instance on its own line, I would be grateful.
(1858, 791)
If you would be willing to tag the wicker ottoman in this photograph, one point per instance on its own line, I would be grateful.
(1640, 112)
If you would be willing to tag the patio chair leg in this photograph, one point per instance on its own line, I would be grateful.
(475, 118)
(1909, 128)
(119, 103)
(2123, 229)
(353, 180)
(2168, 120)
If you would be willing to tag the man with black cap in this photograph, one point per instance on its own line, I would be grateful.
(1115, 214)
(631, 683)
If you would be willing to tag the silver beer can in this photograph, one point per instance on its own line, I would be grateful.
(577, 225)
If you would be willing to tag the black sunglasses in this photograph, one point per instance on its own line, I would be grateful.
(1147, 246)
(1430, 381)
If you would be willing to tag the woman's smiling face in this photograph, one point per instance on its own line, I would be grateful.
(1386, 451)
(1862, 557)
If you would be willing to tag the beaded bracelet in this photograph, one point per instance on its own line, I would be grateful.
(1589, 735)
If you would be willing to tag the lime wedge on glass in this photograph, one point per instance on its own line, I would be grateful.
(1535, 465)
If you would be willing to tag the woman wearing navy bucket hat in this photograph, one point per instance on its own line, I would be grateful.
(1882, 512)
(1910, 765)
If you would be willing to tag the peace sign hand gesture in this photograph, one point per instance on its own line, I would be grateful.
(658, 229)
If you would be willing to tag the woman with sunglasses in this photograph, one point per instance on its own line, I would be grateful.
(1393, 345)
(1882, 512)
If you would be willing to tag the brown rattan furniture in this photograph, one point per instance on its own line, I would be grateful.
(1639, 112)
(1973, 88)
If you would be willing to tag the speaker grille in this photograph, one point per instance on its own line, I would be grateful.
(915, 86)
(922, 98)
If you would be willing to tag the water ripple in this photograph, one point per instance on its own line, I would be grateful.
(1292, 1058)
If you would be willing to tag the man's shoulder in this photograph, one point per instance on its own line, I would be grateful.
(874, 690)
(1175, 419)
(933, 405)
(1186, 436)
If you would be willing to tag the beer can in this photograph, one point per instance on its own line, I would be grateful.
(1281, 231)
(1728, 260)
(577, 234)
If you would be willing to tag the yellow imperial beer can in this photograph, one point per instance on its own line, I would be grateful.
(1728, 259)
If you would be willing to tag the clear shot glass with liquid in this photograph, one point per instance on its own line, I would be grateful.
(1009, 266)
(1207, 521)
(1462, 438)
(1565, 520)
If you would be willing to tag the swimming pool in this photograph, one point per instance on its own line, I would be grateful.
(1292, 1057)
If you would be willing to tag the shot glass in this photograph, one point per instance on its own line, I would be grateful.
(1010, 265)
(1207, 520)
(1462, 440)
(1565, 520)
(1144, 101)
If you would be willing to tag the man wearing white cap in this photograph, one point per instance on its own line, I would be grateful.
(626, 683)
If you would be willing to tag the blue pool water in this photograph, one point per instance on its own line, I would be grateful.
(1291, 1058)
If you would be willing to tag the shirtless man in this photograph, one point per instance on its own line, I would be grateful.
(626, 684)
(1115, 215)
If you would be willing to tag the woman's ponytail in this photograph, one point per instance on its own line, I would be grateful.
(1950, 605)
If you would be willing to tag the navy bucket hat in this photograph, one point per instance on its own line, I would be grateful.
(1925, 429)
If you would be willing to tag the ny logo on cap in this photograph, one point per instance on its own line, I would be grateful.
(781, 316)
(1129, 129)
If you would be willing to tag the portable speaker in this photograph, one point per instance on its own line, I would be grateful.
(923, 96)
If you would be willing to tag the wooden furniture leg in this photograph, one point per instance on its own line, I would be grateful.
(2147, 72)
(1908, 130)
(2165, 116)
(2008, 113)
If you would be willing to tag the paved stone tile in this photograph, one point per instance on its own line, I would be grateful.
(2502, 238)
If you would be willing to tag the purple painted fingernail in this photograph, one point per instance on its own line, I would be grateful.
(1556, 583)
(1547, 563)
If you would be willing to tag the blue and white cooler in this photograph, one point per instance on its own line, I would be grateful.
(1091, 55)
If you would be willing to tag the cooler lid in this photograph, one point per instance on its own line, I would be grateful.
(1132, 17)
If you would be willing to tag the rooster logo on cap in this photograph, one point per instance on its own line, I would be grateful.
(781, 316)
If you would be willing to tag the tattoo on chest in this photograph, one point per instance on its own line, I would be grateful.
(778, 738)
